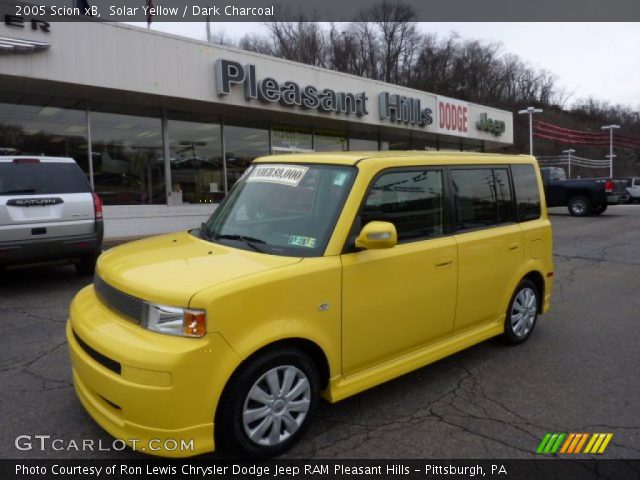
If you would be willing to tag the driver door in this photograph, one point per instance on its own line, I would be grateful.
(400, 299)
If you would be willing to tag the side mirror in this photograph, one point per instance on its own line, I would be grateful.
(375, 235)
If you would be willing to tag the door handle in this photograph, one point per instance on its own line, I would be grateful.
(514, 246)
(444, 262)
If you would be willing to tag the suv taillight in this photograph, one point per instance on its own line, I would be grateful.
(609, 186)
(26, 160)
(97, 206)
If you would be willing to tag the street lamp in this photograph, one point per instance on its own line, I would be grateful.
(530, 111)
(569, 151)
(610, 128)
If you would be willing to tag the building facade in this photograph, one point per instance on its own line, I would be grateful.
(163, 126)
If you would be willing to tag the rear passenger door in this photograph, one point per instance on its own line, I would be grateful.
(490, 243)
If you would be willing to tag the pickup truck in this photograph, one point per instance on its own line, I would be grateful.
(633, 189)
(583, 196)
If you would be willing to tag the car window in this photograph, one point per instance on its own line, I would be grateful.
(42, 178)
(527, 194)
(506, 210)
(412, 200)
(474, 198)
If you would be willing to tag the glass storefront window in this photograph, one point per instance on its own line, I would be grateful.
(290, 139)
(418, 143)
(395, 142)
(128, 160)
(363, 144)
(196, 162)
(242, 145)
(328, 141)
(50, 131)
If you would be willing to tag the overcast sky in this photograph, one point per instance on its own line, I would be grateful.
(589, 59)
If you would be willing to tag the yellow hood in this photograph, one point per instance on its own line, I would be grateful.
(169, 269)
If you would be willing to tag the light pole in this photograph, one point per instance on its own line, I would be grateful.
(530, 111)
(569, 151)
(610, 128)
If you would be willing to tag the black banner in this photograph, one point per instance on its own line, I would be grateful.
(325, 10)
(561, 469)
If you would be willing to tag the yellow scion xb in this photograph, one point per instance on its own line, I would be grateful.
(319, 275)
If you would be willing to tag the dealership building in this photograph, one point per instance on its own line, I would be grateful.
(164, 125)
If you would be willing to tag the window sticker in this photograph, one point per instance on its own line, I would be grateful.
(340, 178)
(283, 174)
(300, 241)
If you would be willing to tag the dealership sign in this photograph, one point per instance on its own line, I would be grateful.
(269, 90)
(395, 108)
(453, 117)
(486, 124)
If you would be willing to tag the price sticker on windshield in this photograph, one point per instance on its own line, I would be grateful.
(282, 174)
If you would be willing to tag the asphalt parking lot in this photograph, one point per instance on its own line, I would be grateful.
(580, 371)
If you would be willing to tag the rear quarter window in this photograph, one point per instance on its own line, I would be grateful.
(527, 194)
(42, 178)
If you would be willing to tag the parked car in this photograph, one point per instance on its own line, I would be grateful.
(48, 212)
(633, 189)
(584, 196)
(318, 275)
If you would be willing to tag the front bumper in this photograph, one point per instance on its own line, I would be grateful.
(156, 392)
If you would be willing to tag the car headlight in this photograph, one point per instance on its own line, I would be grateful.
(175, 321)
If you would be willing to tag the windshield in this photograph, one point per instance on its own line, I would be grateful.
(282, 209)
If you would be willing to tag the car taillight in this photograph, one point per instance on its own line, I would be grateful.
(609, 186)
(97, 205)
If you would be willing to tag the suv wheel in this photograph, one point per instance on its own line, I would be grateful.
(269, 404)
(579, 206)
(86, 265)
(522, 313)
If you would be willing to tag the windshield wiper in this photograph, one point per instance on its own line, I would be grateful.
(24, 190)
(249, 241)
(203, 231)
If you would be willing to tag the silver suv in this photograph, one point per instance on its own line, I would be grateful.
(48, 212)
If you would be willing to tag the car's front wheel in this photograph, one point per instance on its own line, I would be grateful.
(269, 404)
(522, 313)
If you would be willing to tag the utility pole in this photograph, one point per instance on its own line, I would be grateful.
(530, 111)
(611, 155)
(208, 28)
(569, 151)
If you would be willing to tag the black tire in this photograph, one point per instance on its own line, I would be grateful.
(86, 265)
(230, 429)
(511, 334)
(599, 209)
(579, 206)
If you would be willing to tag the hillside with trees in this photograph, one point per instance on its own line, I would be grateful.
(387, 45)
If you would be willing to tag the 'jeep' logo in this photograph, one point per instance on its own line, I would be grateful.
(485, 124)
(33, 202)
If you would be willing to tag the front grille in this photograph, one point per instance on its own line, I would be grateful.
(128, 305)
(98, 357)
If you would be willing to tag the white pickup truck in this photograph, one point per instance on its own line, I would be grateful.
(634, 189)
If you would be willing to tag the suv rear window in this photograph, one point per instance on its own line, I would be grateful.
(42, 178)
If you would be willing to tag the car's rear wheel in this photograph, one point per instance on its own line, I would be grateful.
(579, 206)
(269, 404)
(522, 313)
(599, 209)
(86, 265)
